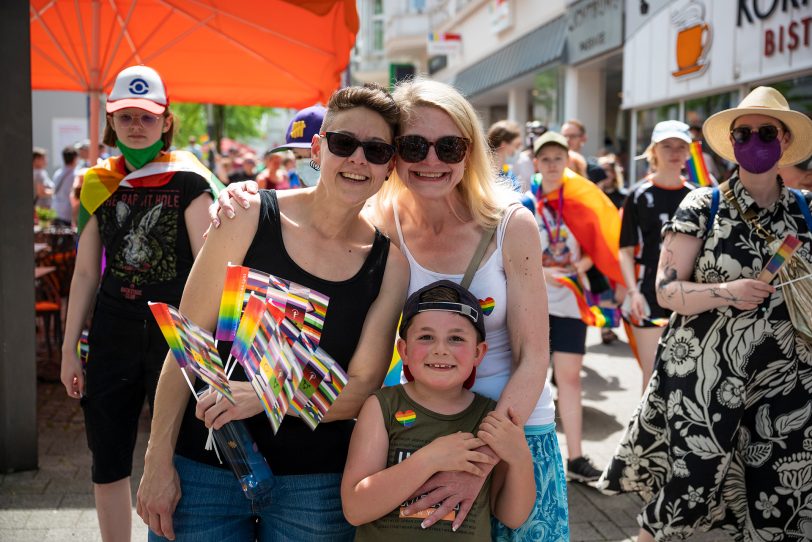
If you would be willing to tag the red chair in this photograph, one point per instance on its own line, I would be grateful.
(49, 307)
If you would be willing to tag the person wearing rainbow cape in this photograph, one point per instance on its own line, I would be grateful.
(147, 210)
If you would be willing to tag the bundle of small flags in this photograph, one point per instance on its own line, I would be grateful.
(275, 327)
(277, 343)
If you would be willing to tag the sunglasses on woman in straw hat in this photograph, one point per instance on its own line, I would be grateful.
(720, 133)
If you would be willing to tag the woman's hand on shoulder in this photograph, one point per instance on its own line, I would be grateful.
(224, 206)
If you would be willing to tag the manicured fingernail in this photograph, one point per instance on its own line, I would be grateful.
(423, 525)
(230, 213)
(216, 223)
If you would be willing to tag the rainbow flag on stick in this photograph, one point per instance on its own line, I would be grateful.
(192, 347)
(591, 315)
(303, 308)
(781, 256)
(697, 169)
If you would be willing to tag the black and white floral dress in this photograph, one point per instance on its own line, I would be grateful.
(723, 435)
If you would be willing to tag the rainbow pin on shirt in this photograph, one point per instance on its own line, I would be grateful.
(406, 418)
(487, 305)
(781, 256)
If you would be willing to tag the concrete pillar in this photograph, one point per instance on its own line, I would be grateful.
(585, 100)
(18, 371)
(518, 105)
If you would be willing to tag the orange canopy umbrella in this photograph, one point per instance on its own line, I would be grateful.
(271, 52)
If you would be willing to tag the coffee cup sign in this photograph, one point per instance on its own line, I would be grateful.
(693, 39)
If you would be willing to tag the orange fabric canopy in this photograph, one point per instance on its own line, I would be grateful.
(239, 52)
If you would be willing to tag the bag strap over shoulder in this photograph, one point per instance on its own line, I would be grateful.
(713, 209)
(473, 265)
(799, 197)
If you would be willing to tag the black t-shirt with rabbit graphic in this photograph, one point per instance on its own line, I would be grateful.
(147, 251)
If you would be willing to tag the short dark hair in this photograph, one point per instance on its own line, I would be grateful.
(69, 154)
(109, 137)
(372, 96)
(39, 152)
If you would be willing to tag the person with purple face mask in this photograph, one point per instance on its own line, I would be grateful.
(722, 436)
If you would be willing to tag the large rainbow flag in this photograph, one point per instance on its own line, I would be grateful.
(594, 220)
(104, 179)
(591, 314)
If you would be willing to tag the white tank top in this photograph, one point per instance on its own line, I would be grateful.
(490, 287)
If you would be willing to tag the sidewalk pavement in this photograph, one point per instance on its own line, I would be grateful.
(55, 503)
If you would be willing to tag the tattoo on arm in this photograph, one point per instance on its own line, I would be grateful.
(669, 275)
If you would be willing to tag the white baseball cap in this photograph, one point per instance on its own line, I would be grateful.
(141, 87)
(671, 128)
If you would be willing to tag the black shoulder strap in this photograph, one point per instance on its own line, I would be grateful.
(713, 210)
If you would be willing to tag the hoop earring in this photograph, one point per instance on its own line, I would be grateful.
(314, 165)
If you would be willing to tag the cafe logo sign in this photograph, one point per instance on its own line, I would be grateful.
(693, 40)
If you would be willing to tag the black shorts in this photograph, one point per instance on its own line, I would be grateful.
(567, 335)
(124, 362)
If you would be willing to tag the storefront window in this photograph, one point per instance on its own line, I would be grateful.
(697, 112)
(546, 98)
(797, 91)
(646, 119)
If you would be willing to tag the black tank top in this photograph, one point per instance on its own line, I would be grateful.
(295, 449)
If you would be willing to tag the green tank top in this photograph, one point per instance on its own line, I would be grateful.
(410, 427)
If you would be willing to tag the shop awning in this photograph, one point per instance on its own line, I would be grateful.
(530, 52)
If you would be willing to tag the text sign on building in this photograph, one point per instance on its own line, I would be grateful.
(593, 27)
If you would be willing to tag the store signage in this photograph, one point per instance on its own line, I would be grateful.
(501, 15)
(593, 27)
(443, 43)
(693, 40)
(781, 38)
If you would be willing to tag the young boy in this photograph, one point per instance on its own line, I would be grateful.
(407, 433)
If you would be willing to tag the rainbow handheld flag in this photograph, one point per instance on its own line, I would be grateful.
(322, 381)
(104, 179)
(697, 169)
(781, 256)
(591, 315)
(192, 347)
(303, 308)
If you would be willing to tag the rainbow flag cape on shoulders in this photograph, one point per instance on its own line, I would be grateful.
(102, 180)
(594, 220)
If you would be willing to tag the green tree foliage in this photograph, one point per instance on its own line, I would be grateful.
(233, 121)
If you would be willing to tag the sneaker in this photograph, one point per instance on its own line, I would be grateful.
(581, 469)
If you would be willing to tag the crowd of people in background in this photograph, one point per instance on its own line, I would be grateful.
(411, 189)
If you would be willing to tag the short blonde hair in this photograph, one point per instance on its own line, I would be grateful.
(651, 156)
(612, 161)
(485, 198)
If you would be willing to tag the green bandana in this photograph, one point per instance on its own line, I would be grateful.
(140, 157)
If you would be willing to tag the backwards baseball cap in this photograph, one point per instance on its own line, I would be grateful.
(141, 87)
(671, 128)
(302, 128)
(466, 305)
(550, 137)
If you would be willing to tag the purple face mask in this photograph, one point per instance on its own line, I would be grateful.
(756, 156)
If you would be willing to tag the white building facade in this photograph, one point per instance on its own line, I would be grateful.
(688, 59)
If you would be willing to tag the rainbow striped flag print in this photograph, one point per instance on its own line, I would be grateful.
(591, 315)
(697, 169)
(781, 256)
(303, 308)
(192, 347)
(104, 179)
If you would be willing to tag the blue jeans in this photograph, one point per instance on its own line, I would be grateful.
(213, 508)
(548, 522)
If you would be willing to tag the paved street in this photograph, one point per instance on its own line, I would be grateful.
(55, 503)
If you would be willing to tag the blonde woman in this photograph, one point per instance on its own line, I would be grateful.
(650, 204)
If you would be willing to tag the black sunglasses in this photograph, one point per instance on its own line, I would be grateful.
(766, 133)
(414, 148)
(343, 145)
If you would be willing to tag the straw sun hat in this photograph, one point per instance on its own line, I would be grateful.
(761, 101)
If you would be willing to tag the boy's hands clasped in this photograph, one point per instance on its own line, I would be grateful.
(455, 452)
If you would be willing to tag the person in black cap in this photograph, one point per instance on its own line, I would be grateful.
(426, 426)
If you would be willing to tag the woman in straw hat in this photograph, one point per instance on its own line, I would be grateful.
(723, 435)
